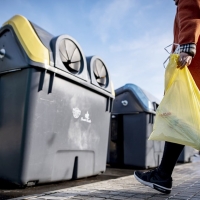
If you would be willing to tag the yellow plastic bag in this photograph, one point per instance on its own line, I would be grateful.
(178, 115)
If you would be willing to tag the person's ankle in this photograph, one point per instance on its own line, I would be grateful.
(163, 174)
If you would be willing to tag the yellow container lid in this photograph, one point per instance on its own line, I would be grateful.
(29, 40)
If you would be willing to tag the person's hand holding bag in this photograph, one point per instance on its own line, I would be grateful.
(184, 60)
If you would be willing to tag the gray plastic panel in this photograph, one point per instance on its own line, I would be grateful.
(129, 144)
(15, 58)
(12, 116)
(46, 137)
(138, 151)
(133, 105)
(187, 154)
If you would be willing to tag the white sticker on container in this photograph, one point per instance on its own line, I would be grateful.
(76, 112)
(87, 118)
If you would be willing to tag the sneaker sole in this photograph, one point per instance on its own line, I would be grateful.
(154, 186)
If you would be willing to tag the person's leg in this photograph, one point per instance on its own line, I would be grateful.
(160, 178)
(169, 159)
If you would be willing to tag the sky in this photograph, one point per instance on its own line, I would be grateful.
(128, 35)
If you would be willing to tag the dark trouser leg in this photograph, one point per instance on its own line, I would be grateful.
(169, 159)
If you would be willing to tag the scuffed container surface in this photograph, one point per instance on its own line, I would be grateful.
(54, 124)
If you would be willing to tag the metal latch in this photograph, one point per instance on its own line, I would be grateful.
(2, 53)
(124, 102)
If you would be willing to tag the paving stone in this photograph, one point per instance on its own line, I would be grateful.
(38, 198)
(197, 194)
(186, 185)
(118, 197)
(157, 198)
(180, 197)
(174, 198)
(63, 195)
(113, 193)
(55, 198)
(188, 195)
(102, 195)
(80, 197)
(144, 195)
(134, 198)
(123, 194)
(95, 198)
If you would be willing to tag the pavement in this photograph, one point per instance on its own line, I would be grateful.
(9, 191)
(186, 185)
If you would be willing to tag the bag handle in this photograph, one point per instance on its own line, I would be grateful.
(177, 51)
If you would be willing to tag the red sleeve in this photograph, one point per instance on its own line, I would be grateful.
(188, 14)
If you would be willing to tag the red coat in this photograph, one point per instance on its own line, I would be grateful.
(187, 30)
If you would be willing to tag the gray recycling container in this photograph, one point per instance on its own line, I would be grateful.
(54, 118)
(132, 122)
(187, 154)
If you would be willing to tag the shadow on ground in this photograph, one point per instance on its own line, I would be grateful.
(8, 191)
